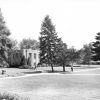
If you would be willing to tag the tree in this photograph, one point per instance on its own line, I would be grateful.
(96, 48)
(87, 54)
(48, 41)
(61, 51)
(73, 56)
(4, 40)
(29, 43)
(14, 44)
(81, 55)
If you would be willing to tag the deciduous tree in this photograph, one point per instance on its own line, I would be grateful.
(73, 56)
(61, 51)
(87, 54)
(29, 43)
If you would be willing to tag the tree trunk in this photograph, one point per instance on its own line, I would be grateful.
(52, 67)
(72, 67)
(63, 67)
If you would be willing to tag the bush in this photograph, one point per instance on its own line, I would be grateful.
(3, 63)
(8, 96)
(15, 58)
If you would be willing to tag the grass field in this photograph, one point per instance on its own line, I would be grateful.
(11, 72)
(74, 86)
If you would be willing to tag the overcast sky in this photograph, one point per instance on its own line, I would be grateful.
(77, 21)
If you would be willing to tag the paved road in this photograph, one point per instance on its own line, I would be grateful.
(76, 86)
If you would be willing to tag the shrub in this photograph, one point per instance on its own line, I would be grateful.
(15, 58)
(3, 63)
(8, 96)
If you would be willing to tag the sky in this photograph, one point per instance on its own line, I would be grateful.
(77, 21)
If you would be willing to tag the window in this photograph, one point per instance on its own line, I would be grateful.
(26, 53)
(30, 55)
(29, 59)
(34, 55)
(35, 64)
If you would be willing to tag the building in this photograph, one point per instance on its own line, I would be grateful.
(33, 55)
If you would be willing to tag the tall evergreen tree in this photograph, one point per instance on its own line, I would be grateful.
(96, 48)
(4, 40)
(48, 41)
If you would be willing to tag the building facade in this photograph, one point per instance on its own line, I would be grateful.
(32, 55)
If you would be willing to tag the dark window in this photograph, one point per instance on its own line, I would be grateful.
(26, 53)
(34, 55)
(30, 55)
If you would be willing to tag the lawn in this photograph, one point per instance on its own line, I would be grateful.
(17, 72)
(56, 86)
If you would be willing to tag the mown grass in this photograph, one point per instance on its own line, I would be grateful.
(10, 96)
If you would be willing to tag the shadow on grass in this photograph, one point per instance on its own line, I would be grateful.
(56, 71)
(47, 71)
(34, 72)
